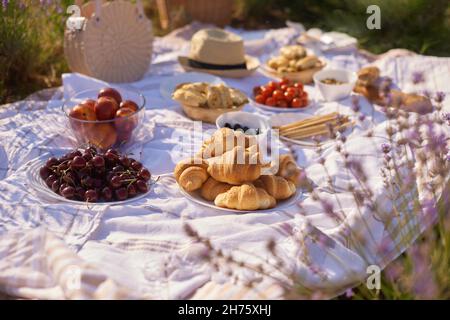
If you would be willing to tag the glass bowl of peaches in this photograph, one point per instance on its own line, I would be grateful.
(105, 118)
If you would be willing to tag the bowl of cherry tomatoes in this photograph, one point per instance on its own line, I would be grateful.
(284, 95)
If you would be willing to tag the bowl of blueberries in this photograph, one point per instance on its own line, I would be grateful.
(248, 123)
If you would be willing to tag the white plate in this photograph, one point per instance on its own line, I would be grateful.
(311, 98)
(36, 182)
(168, 85)
(197, 198)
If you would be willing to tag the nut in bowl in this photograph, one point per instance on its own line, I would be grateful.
(294, 63)
(335, 84)
(106, 118)
(205, 102)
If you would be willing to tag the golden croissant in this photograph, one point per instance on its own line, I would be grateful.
(278, 187)
(235, 167)
(224, 140)
(191, 173)
(289, 170)
(245, 197)
(211, 188)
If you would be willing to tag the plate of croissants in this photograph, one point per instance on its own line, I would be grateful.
(228, 173)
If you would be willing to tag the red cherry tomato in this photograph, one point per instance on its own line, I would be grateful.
(273, 84)
(285, 81)
(298, 85)
(282, 103)
(284, 87)
(278, 94)
(271, 101)
(256, 90)
(303, 95)
(296, 103)
(266, 92)
(260, 99)
(292, 90)
(304, 102)
(288, 96)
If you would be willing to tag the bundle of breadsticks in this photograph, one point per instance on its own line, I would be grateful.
(315, 126)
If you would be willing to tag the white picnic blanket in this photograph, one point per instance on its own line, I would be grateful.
(51, 249)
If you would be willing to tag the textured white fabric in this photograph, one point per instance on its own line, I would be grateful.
(142, 247)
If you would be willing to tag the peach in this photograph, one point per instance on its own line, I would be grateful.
(89, 103)
(125, 121)
(129, 104)
(106, 108)
(102, 135)
(83, 112)
(112, 93)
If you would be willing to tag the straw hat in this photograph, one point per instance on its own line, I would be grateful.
(219, 52)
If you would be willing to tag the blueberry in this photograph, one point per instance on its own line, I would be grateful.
(237, 126)
(227, 125)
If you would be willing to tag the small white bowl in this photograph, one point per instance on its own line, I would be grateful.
(245, 119)
(334, 92)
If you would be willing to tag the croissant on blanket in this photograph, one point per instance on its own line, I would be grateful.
(289, 169)
(236, 166)
(245, 197)
(278, 187)
(224, 140)
(191, 173)
(212, 188)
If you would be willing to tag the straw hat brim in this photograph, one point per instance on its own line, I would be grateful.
(251, 62)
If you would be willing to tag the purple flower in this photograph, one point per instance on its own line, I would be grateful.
(385, 147)
(427, 94)
(440, 96)
(349, 293)
(447, 157)
(412, 134)
(418, 77)
(429, 211)
(362, 117)
(446, 117)
(327, 207)
(355, 103)
(5, 4)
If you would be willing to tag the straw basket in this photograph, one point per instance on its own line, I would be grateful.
(112, 41)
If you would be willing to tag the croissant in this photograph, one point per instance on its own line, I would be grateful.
(211, 188)
(191, 173)
(289, 170)
(224, 140)
(235, 167)
(278, 187)
(245, 197)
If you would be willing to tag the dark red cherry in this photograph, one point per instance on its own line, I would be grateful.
(68, 192)
(144, 174)
(121, 194)
(142, 186)
(91, 195)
